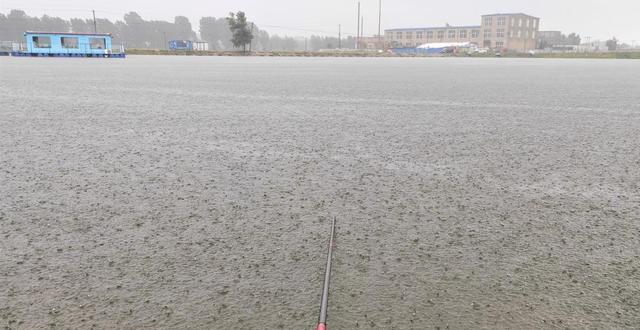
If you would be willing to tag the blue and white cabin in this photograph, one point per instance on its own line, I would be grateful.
(69, 45)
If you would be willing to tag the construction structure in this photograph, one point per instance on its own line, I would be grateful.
(515, 32)
(200, 46)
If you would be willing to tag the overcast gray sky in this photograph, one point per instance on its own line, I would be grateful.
(599, 19)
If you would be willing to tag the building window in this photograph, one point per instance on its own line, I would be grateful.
(475, 34)
(440, 34)
(488, 21)
(418, 35)
(451, 34)
(398, 35)
(528, 22)
(500, 33)
(502, 21)
(463, 34)
(97, 43)
(533, 35)
(487, 34)
(535, 23)
(42, 42)
(511, 34)
(69, 43)
(520, 22)
(526, 34)
(519, 34)
(429, 34)
(513, 21)
(409, 35)
(499, 44)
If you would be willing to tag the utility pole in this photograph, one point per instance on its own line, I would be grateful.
(358, 25)
(361, 29)
(95, 25)
(251, 40)
(164, 38)
(339, 36)
(379, 17)
(588, 48)
(380, 40)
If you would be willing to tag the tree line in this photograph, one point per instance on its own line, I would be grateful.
(560, 39)
(135, 32)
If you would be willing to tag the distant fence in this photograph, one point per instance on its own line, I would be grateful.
(10, 46)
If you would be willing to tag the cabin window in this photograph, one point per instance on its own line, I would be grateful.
(68, 42)
(97, 43)
(42, 42)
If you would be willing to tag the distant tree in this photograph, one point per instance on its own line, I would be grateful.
(79, 25)
(17, 23)
(573, 39)
(544, 44)
(135, 32)
(216, 32)
(183, 28)
(612, 44)
(242, 34)
(262, 39)
(52, 24)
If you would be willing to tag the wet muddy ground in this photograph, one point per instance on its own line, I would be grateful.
(175, 192)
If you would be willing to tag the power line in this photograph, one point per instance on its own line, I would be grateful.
(300, 29)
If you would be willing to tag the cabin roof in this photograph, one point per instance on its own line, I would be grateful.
(69, 33)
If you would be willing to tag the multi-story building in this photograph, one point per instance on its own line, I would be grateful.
(406, 38)
(514, 32)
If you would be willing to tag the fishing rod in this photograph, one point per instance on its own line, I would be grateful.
(322, 321)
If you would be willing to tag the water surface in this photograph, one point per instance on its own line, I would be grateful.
(196, 192)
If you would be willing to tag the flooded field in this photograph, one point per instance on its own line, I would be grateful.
(184, 192)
